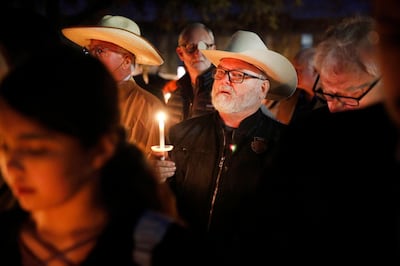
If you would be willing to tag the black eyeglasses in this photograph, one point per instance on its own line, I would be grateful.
(346, 100)
(190, 48)
(234, 76)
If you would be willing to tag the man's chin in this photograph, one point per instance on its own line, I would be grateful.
(200, 66)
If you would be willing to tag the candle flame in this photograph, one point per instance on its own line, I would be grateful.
(161, 116)
(167, 96)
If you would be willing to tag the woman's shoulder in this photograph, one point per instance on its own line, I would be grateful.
(138, 239)
(182, 246)
(168, 241)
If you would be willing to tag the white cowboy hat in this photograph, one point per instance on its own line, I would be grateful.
(248, 46)
(120, 31)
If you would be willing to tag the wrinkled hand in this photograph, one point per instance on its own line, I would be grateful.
(164, 169)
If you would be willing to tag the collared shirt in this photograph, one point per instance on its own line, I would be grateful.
(138, 114)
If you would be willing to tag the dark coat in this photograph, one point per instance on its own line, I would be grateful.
(342, 187)
(188, 101)
(217, 178)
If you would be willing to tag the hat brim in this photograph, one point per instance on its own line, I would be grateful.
(144, 51)
(281, 73)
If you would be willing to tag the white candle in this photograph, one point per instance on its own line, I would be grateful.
(161, 124)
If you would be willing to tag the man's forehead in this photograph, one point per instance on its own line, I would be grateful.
(197, 34)
(237, 64)
(104, 43)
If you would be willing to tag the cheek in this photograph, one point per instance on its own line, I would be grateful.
(75, 168)
(47, 177)
(63, 177)
(186, 58)
(108, 62)
(58, 173)
(56, 169)
(51, 178)
(255, 92)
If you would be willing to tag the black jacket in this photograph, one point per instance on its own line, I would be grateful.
(188, 101)
(343, 193)
(218, 175)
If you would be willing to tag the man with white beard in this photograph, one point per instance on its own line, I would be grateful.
(216, 166)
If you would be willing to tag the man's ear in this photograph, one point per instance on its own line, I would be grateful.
(179, 52)
(127, 62)
(104, 150)
(265, 87)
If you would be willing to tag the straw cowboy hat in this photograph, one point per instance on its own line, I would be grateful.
(120, 31)
(248, 46)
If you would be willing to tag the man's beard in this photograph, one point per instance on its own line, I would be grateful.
(232, 103)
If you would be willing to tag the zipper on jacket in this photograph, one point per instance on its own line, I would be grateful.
(217, 181)
(220, 166)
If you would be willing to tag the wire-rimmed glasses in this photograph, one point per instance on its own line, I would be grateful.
(346, 100)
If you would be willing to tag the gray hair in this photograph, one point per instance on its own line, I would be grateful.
(348, 46)
(305, 58)
(189, 28)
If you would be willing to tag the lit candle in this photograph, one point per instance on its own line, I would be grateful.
(161, 123)
(167, 96)
(161, 117)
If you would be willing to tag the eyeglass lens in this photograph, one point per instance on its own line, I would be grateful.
(190, 48)
(234, 76)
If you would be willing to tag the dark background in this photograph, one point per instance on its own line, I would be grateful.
(283, 24)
